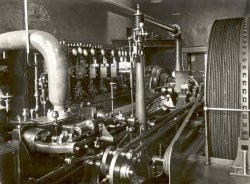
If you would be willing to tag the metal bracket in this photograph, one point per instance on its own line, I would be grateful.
(241, 165)
(105, 135)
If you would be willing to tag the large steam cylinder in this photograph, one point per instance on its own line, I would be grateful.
(227, 86)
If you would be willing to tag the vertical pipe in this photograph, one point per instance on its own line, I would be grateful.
(19, 174)
(26, 27)
(140, 93)
(207, 159)
(112, 96)
(26, 23)
(131, 76)
(36, 84)
(178, 64)
(189, 66)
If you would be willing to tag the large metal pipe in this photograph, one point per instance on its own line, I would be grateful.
(54, 57)
(140, 95)
(26, 28)
(178, 64)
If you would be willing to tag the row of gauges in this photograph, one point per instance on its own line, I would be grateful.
(93, 67)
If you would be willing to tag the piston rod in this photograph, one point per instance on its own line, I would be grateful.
(162, 121)
(226, 109)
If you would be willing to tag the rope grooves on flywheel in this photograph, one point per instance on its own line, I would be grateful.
(223, 84)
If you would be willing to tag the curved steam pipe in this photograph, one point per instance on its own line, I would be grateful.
(54, 57)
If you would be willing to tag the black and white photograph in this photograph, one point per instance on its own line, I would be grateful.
(124, 92)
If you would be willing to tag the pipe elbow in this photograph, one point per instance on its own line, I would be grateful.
(57, 66)
(54, 57)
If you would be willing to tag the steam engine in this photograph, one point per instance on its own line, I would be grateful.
(78, 132)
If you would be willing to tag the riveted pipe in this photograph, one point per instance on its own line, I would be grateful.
(54, 57)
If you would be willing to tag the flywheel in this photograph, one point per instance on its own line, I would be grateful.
(228, 85)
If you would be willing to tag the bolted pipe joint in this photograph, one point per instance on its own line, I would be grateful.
(177, 32)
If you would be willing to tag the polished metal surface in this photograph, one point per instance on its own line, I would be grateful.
(140, 100)
(226, 109)
(55, 148)
(138, 38)
(178, 54)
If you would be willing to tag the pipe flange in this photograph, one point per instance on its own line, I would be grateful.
(178, 30)
(63, 114)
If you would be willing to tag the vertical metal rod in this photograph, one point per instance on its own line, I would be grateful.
(7, 107)
(26, 27)
(112, 96)
(19, 174)
(207, 158)
(131, 76)
(244, 160)
(36, 95)
(4, 55)
(44, 110)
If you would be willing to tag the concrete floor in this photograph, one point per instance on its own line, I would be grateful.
(189, 168)
(197, 173)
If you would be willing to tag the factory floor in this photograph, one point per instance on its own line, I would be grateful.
(197, 173)
(192, 169)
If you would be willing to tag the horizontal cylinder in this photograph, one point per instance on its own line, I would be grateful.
(43, 147)
(32, 139)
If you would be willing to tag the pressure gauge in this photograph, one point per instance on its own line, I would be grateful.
(85, 52)
(74, 51)
(112, 53)
(79, 50)
(92, 51)
(102, 52)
